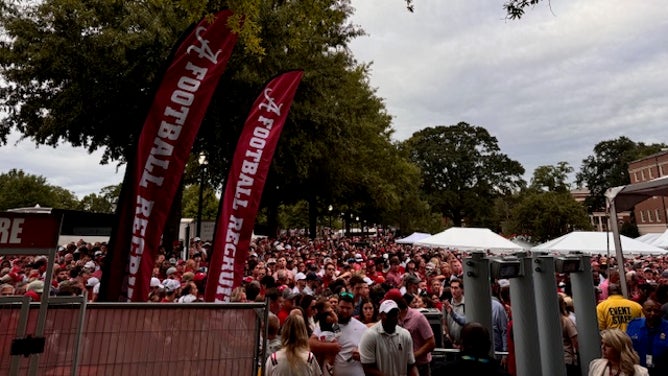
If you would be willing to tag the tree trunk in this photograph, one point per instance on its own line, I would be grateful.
(171, 232)
(272, 219)
(457, 220)
(312, 218)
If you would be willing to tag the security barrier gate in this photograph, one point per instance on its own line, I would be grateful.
(67, 336)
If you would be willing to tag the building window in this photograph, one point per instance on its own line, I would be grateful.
(651, 174)
(635, 176)
(642, 175)
(661, 171)
(649, 216)
(657, 214)
(642, 216)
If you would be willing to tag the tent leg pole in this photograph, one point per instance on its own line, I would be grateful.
(618, 248)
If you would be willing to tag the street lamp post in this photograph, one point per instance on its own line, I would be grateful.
(202, 165)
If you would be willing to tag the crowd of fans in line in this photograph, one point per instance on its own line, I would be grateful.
(339, 290)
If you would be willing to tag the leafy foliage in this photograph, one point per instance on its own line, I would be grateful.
(190, 203)
(335, 147)
(552, 178)
(547, 215)
(83, 71)
(104, 202)
(19, 189)
(608, 167)
(515, 9)
(463, 171)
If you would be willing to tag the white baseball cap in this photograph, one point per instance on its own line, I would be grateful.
(387, 306)
(156, 283)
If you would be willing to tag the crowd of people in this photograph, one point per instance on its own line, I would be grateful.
(356, 306)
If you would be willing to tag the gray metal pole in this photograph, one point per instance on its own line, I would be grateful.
(200, 204)
(76, 356)
(618, 247)
(547, 312)
(478, 292)
(43, 308)
(584, 301)
(525, 324)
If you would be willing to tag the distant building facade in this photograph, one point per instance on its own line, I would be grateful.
(598, 219)
(650, 214)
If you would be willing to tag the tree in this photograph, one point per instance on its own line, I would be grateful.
(55, 49)
(335, 148)
(552, 178)
(190, 203)
(547, 215)
(609, 166)
(463, 171)
(19, 189)
(71, 67)
(104, 202)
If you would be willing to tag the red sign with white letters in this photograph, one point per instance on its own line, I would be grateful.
(28, 230)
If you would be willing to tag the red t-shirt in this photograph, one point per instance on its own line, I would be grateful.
(282, 316)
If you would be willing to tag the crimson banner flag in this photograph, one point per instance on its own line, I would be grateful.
(164, 145)
(243, 189)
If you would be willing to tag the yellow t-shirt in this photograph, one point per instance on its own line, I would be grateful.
(617, 312)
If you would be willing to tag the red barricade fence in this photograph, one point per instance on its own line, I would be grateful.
(139, 339)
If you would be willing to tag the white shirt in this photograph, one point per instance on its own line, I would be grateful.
(349, 339)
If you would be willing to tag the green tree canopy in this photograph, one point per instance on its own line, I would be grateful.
(609, 167)
(210, 203)
(463, 171)
(83, 72)
(19, 189)
(335, 148)
(552, 178)
(547, 215)
(103, 202)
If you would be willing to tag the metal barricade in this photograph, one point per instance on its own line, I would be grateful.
(139, 339)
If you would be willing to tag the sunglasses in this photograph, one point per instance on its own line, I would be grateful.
(346, 294)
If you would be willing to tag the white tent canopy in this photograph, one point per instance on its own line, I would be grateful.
(661, 240)
(412, 238)
(522, 243)
(468, 239)
(595, 243)
(649, 238)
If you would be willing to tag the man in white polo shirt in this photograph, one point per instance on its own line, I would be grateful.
(347, 356)
(387, 349)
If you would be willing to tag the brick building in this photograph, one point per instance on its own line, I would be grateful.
(650, 214)
(598, 219)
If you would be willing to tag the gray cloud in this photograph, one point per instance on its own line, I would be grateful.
(65, 166)
(549, 86)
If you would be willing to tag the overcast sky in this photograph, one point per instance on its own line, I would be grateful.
(549, 87)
